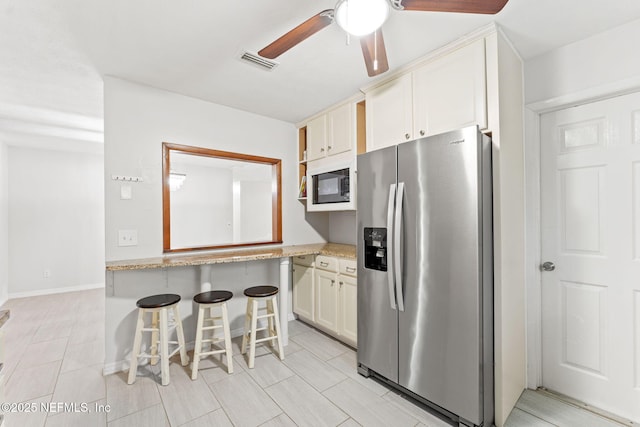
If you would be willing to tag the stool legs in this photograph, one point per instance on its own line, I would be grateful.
(184, 359)
(198, 345)
(254, 327)
(154, 338)
(227, 338)
(164, 347)
(247, 323)
(159, 346)
(251, 327)
(200, 331)
(276, 321)
(137, 343)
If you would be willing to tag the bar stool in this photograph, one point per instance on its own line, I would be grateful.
(158, 306)
(256, 295)
(210, 300)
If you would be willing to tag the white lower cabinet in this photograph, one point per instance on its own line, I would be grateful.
(325, 295)
(348, 309)
(327, 300)
(303, 287)
(303, 292)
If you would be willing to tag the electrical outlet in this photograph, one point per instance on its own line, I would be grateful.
(127, 237)
(46, 273)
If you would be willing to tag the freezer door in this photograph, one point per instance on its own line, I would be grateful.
(377, 313)
(440, 327)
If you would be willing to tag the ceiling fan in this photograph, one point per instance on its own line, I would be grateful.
(364, 19)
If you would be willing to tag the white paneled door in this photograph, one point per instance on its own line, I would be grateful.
(590, 186)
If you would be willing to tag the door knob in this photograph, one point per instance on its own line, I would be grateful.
(548, 266)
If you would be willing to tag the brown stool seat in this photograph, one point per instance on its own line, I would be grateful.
(261, 291)
(157, 301)
(213, 297)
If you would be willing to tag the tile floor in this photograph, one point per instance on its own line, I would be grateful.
(54, 347)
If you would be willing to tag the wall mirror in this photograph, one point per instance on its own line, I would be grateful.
(217, 199)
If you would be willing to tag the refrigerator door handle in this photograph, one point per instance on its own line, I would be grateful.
(397, 252)
(390, 248)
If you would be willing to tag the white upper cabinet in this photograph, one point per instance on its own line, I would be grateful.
(450, 92)
(317, 138)
(446, 93)
(331, 133)
(340, 130)
(389, 113)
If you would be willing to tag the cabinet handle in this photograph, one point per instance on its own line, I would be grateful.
(329, 147)
(421, 133)
(407, 136)
(322, 150)
(333, 282)
(324, 264)
(341, 283)
(350, 270)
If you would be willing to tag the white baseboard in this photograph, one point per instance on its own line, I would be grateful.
(50, 291)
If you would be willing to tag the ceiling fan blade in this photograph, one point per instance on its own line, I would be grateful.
(298, 34)
(488, 7)
(373, 50)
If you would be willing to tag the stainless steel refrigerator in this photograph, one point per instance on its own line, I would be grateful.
(425, 272)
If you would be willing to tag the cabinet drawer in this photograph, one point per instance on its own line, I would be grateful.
(348, 267)
(306, 260)
(327, 263)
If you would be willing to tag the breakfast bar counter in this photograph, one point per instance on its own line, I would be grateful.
(188, 274)
(329, 249)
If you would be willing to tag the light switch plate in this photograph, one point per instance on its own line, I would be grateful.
(125, 192)
(127, 237)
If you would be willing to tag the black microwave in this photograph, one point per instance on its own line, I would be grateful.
(331, 187)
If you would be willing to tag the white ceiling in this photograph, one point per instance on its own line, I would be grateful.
(54, 53)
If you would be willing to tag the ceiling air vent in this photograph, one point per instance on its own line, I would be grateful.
(259, 60)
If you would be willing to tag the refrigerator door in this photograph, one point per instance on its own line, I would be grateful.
(440, 327)
(377, 312)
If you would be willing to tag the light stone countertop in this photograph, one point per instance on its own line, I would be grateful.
(4, 316)
(330, 249)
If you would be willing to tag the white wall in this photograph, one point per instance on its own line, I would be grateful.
(591, 64)
(139, 118)
(4, 223)
(343, 227)
(56, 219)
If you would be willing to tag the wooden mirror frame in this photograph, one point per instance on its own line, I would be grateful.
(276, 193)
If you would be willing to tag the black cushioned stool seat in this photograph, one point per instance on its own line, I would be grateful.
(261, 291)
(157, 301)
(213, 297)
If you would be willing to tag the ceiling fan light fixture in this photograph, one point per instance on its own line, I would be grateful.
(361, 17)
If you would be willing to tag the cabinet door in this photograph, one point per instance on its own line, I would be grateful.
(389, 113)
(326, 300)
(303, 295)
(317, 138)
(341, 130)
(348, 306)
(450, 92)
